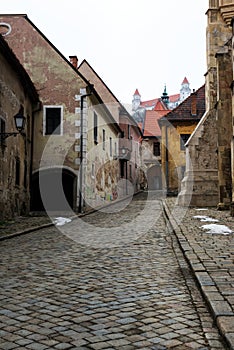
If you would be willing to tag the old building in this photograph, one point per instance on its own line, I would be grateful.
(172, 100)
(126, 150)
(151, 146)
(176, 127)
(73, 129)
(208, 172)
(18, 97)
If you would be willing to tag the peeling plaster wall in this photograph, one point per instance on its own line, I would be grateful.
(102, 178)
(14, 198)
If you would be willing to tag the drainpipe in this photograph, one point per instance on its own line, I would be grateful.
(167, 170)
(126, 177)
(81, 202)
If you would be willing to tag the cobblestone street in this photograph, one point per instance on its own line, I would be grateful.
(105, 281)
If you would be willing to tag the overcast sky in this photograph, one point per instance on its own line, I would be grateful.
(131, 44)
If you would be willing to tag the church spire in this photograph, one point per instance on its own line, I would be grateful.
(165, 97)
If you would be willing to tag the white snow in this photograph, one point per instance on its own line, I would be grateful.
(60, 221)
(201, 209)
(204, 218)
(217, 229)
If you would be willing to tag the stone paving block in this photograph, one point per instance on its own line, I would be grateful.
(118, 293)
(99, 346)
(36, 346)
(220, 307)
(63, 346)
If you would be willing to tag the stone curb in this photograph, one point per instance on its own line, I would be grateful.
(219, 308)
(36, 228)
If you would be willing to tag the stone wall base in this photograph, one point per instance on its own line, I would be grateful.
(199, 189)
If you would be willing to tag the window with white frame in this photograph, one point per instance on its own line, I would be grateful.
(52, 118)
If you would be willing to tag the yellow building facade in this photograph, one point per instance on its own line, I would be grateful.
(176, 128)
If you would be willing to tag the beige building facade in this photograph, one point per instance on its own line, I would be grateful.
(69, 149)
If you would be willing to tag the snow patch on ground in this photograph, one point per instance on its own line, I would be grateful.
(60, 221)
(204, 218)
(201, 209)
(217, 229)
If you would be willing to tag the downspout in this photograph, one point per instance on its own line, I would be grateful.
(167, 168)
(81, 201)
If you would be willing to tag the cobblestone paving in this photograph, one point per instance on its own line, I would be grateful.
(61, 293)
(22, 223)
(212, 257)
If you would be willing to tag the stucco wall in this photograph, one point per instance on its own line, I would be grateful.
(15, 198)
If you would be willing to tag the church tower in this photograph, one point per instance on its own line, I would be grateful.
(165, 97)
(185, 90)
(136, 100)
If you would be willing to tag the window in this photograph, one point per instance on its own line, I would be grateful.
(95, 128)
(130, 170)
(103, 138)
(53, 120)
(156, 149)
(110, 147)
(129, 131)
(121, 169)
(17, 171)
(2, 129)
(183, 139)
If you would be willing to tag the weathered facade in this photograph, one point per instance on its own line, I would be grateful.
(64, 133)
(17, 95)
(177, 126)
(207, 180)
(126, 148)
(151, 146)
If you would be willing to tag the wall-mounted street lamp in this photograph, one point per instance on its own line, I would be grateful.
(19, 124)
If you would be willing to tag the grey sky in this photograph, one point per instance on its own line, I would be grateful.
(130, 43)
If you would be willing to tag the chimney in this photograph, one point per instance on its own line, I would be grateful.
(194, 104)
(74, 61)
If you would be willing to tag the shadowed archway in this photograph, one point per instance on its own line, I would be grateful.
(55, 197)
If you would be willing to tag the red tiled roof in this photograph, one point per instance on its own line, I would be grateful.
(174, 98)
(160, 106)
(185, 111)
(151, 126)
(149, 103)
(137, 92)
(185, 81)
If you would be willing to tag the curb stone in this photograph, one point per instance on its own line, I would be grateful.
(219, 308)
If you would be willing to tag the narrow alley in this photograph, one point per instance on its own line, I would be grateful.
(135, 293)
